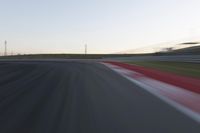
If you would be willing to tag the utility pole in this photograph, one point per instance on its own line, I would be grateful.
(85, 48)
(5, 52)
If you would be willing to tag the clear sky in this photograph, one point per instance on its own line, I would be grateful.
(107, 26)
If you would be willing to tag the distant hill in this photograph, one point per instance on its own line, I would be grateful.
(190, 50)
(195, 50)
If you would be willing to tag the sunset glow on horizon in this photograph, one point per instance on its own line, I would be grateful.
(106, 26)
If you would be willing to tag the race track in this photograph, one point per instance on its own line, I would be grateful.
(80, 97)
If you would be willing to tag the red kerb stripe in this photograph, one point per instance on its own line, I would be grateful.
(188, 83)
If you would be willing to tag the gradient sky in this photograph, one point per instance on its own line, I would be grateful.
(107, 26)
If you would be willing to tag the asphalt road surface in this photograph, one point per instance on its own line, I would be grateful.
(80, 97)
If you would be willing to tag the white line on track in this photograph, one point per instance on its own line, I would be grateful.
(183, 100)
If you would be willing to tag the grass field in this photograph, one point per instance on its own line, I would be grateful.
(181, 68)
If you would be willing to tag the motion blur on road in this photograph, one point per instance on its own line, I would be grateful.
(81, 97)
(99, 66)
